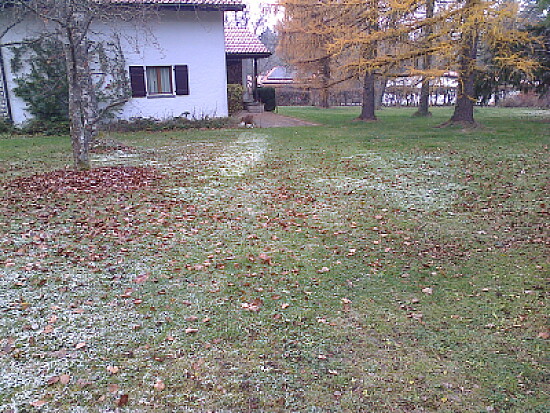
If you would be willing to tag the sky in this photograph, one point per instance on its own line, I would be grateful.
(256, 7)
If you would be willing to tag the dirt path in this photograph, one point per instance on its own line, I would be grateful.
(274, 120)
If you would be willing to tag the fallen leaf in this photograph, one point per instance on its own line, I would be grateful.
(122, 401)
(64, 379)
(545, 335)
(159, 385)
(113, 369)
(191, 330)
(48, 329)
(38, 403)
(52, 380)
(80, 345)
(427, 290)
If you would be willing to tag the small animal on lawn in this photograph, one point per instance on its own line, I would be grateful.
(247, 121)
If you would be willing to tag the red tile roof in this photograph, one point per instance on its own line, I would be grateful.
(228, 5)
(240, 41)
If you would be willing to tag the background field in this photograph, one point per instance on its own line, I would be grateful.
(389, 266)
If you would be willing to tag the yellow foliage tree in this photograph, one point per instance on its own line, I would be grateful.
(303, 42)
(368, 38)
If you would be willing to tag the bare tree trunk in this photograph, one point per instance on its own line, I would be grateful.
(324, 98)
(424, 102)
(81, 100)
(369, 101)
(380, 91)
(465, 93)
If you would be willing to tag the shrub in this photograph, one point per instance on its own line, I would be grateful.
(266, 95)
(6, 127)
(176, 123)
(45, 127)
(235, 98)
(524, 100)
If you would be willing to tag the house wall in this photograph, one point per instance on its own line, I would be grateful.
(171, 37)
(27, 29)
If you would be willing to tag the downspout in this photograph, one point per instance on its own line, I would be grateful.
(5, 85)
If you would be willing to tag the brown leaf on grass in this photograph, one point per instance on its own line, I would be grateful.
(79, 346)
(122, 401)
(64, 379)
(113, 369)
(346, 305)
(38, 403)
(159, 385)
(266, 259)
(545, 335)
(191, 330)
(97, 180)
(428, 290)
(52, 380)
(141, 279)
(48, 329)
(253, 306)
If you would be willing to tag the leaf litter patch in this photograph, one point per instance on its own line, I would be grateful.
(99, 180)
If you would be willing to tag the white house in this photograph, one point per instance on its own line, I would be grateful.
(176, 61)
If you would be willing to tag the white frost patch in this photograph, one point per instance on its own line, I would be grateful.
(420, 182)
(70, 305)
(235, 160)
(243, 154)
(115, 157)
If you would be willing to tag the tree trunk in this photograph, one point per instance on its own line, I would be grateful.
(325, 94)
(369, 101)
(380, 91)
(465, 93)
(424, 102)
(81, 100)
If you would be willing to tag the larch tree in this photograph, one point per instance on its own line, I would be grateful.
(304, 37)
(69, 22)
(426, 64)
(375, 37)
(493, 24)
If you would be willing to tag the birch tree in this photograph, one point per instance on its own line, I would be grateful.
(69, 21)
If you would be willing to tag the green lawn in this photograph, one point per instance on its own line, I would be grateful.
(346, 267)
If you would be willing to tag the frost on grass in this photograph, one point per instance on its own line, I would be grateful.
(418, 182)
(232, 160)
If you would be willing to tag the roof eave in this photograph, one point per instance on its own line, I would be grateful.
(259, 55)
(205, 7)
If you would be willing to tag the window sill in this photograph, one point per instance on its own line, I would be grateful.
(159, 96)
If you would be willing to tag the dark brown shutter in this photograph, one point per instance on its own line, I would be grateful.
(181, 74)
(137, 81)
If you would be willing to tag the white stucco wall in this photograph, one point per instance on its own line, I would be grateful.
(29, 29)
(195, 39)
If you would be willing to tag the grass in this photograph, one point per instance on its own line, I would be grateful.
(388, 266)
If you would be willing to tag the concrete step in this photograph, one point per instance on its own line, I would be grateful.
(254, 107)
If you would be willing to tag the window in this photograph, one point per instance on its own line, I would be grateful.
(159, 80)
(151, 81)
